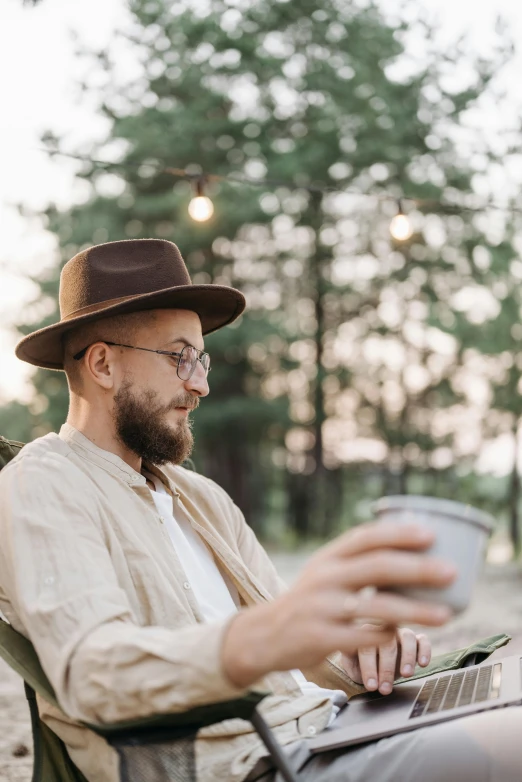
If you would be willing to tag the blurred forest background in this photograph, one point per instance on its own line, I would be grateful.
(364, 366)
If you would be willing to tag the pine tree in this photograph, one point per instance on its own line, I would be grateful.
(316, 97)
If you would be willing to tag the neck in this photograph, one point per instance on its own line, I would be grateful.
(97, 426)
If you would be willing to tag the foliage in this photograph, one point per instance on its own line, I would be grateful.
(352, 349)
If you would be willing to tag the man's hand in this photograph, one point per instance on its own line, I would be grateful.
(377, 667)
(319, 614)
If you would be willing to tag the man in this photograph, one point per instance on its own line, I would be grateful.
(139, 582)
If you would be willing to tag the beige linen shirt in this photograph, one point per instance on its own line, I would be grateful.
(89, 574)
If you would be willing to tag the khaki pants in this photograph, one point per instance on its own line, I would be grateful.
(484, 747)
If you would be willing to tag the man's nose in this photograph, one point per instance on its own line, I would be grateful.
(198, 382)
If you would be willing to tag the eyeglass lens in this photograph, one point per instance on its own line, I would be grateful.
(188, 360)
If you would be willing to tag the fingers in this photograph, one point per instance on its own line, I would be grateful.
(323, 605)
(379, 534)
(397, 656)
(423, 650)
(352, 638)
(377, 663)
(408, 651)
(367, 657)
(386, 568)
(387, 663)
(384, 607)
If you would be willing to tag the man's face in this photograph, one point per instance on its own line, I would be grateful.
(152, 404)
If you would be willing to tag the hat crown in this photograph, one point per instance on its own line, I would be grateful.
(118, 278)
(117, 270)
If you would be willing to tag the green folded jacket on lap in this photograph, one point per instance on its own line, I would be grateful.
(475, 653)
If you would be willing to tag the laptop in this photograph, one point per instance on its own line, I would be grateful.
(436, 698)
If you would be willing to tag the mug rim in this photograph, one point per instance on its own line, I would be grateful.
(435, 506)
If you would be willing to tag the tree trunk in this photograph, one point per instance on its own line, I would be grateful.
(299, 505)
(514, 495)
(333, 500)
(404, 426)
(230, 466)
(321, 521)
(403, 477)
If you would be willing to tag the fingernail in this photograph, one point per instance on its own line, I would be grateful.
(407, 670)
(385, 688)
(424, 661)
(371, 684)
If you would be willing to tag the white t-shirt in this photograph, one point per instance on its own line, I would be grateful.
(215, 593)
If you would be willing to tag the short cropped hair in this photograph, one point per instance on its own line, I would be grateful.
(118, 328)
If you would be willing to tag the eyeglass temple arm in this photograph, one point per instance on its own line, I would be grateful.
(78, 356)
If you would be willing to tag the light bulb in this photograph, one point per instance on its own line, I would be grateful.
(401, 227)
(201, 208)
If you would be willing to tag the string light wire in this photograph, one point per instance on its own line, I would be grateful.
(242, 179)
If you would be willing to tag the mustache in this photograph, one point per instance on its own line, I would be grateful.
(184, 400)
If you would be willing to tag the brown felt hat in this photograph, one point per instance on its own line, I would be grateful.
(128, 276)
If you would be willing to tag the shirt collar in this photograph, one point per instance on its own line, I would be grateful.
(107, 460)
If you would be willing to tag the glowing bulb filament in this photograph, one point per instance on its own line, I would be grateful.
(201, 208)
(401, 227)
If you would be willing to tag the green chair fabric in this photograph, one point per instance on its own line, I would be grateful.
(8, 450)
(51, 759)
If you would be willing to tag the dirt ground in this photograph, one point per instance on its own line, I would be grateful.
(496, 608)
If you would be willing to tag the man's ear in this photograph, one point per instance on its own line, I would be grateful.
(100, 365)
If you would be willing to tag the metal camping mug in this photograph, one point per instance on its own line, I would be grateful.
(461, 536)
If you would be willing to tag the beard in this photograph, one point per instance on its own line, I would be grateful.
(142, 427)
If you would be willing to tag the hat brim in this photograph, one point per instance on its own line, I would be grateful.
(216, 305)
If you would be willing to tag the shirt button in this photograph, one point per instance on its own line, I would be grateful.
(162, 519)
(311, 731)
(186, 585)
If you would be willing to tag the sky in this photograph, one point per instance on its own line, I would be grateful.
(39, 91)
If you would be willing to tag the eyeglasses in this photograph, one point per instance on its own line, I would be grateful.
(186, 360)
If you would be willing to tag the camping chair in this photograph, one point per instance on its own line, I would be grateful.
(159, 748)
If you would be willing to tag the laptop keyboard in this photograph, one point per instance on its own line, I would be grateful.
(460, 689)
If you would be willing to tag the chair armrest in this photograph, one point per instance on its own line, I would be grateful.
(21, 656)
(173, 726)
(172, 737)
